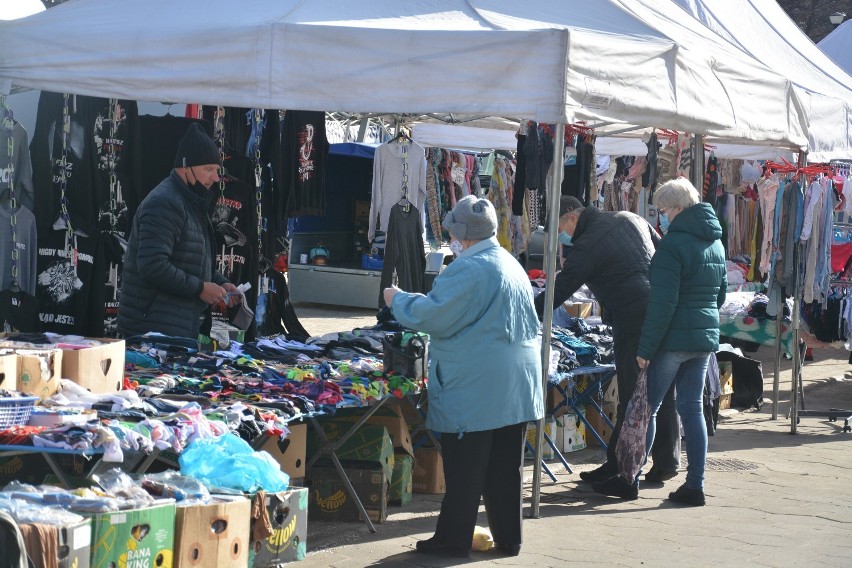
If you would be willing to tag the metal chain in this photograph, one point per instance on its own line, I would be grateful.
(70, 253)
(258, 178)
(219, 137)
(114, 184)
(13, 203)
(405, 171)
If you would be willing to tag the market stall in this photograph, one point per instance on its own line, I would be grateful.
(657, 71)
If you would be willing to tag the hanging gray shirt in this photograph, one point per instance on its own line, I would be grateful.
(26, 243)
(23, 166)
(388, 182)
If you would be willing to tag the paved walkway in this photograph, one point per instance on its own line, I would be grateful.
(773, 499)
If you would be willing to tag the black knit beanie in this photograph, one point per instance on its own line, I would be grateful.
(196, 148)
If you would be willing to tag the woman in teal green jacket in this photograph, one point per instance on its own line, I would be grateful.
(484, 378)
(681, 328)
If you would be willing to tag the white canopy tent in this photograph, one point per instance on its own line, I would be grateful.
(838, 46)
(547, 60)
(762, 29)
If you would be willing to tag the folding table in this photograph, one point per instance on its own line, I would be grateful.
(576, 400)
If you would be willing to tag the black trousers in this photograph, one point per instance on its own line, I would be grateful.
(487, 465)
(666, 449)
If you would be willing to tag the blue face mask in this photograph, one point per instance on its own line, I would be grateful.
(664, 223)
(565, 239)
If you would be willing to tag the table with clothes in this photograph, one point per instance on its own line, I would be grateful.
(175, 395)
(747, 316)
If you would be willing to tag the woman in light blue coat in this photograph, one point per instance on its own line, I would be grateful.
(484, 378)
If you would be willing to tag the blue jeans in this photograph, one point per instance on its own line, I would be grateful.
(687, 370)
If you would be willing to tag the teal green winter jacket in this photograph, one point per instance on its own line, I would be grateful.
(688, 285)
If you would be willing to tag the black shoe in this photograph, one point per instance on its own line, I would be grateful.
(508, 549)
(435, 546)
(616, 486)
(687, 496)
(602, 473)
(656, 475)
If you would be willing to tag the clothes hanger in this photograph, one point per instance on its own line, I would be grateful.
(401, 135)
(7, 117)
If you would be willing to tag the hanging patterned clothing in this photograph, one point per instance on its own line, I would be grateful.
(304, 148)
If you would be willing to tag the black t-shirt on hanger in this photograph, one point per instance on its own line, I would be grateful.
(67, 293)
(304, 148)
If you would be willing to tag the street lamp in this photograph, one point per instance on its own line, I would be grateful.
(837, 18)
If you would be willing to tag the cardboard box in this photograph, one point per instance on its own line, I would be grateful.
(570, 433)
(725, 401)
(390, 416)
(288, 513)
(289, 452)
(99, 369)
(599, 424)
(73, 545)
(726, 377)
(428, 474)
(213, 535)
(329, 500)
(141, 538)
(39, 371)
(546, 450)
(400, 486)
(362, 212)
(9, 372)
(580, 310)
(369, 445)
(611, 391)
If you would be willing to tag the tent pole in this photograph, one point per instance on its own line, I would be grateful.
(776, 378)
(551, 251)
(698, 162)
(797, 355)
(362, 129)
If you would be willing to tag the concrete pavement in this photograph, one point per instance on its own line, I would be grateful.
(773, 499)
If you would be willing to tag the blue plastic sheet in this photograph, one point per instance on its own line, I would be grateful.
(228, 461)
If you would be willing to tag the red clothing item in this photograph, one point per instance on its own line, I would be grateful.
(840, 256)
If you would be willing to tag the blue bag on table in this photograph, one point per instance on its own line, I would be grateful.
(229, 461)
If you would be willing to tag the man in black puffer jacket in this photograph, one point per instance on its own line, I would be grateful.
(611, 253)
(169, 281)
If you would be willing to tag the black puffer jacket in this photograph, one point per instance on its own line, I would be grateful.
(169, 257)
(611, 254)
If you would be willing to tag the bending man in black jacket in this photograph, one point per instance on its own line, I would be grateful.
(611, 253)
(169, 281)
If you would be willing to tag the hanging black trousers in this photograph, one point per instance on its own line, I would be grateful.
(488, 465)
(404, 252)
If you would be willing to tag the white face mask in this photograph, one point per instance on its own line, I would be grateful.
(456, 247)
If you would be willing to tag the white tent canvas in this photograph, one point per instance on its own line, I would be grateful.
(548, 60)
(764, 31)
(838, 46)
